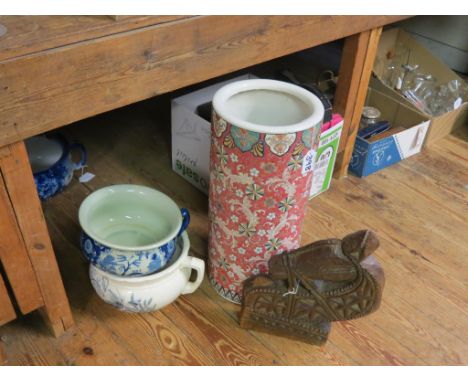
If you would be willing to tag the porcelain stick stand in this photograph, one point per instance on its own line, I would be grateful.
(264, 137)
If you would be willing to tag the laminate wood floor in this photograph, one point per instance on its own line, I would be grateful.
(418, 208)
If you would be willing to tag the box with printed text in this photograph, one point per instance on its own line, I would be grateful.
(404, 139)
(325, 157)
(191, 135)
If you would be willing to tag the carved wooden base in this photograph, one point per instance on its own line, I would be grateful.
(313, 334)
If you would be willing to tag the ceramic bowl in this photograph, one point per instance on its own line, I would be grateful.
(51, 163)
(153, 292)
(130, 230)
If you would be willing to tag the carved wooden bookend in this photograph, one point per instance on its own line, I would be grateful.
(306, 289)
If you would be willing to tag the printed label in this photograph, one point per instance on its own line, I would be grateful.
(325, 141)
(308, 161)
(320, 170)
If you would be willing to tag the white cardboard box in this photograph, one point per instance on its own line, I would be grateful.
(191, 135)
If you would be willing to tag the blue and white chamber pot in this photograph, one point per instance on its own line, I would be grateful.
(130, 230)
(52, 163)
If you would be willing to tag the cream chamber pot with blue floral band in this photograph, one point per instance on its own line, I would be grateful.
(155, 291)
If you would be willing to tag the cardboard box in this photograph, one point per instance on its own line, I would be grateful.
(325, 157)
(369, 157)
(191, 135)
(439, 126)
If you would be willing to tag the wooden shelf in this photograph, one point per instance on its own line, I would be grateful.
(75, 68)
(418, 208)
(32, 34)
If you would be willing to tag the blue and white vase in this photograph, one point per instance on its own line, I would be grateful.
(51, 163)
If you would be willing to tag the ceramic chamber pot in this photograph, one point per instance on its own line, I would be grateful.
(51, 163)
(130, 230)
(152, 292)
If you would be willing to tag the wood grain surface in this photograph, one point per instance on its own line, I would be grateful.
(14, 256)
(32, 34)
(417, 207)
(22, 192)
(50, 88)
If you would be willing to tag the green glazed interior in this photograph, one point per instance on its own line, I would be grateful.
(130, 217)
(268, 107)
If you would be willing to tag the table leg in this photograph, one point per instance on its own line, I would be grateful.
(357, 61)
(14, 257)
(19, 182)
(7, 312)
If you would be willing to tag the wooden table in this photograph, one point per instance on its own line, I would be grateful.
(61, 69)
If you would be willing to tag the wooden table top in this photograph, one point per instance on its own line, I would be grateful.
(33, 34)
(55, 70)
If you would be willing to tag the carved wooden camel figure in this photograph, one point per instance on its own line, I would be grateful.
(307, 289)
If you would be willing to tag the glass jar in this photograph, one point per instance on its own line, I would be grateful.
(370, 115)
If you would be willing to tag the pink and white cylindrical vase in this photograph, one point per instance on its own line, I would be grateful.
(263, 139)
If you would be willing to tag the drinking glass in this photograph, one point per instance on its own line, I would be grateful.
(421, 91)
(397, 59)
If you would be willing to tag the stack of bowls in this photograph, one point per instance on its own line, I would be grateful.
(134, 238)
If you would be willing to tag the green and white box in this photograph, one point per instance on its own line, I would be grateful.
(325, 159)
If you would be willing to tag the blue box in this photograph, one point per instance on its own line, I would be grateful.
(369, 157)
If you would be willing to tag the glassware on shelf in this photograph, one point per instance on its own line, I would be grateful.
(392, 75)
(448, 97)
(439, 104)
(420, 88)
(394, 72)
(464, 91)
(421, 91)
(408, 77)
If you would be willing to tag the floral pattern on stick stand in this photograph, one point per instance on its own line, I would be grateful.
(259, 187)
